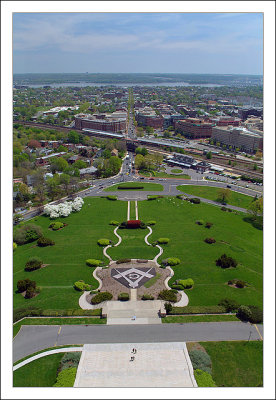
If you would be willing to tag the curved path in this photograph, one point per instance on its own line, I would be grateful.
(85, 305)
(115, 245)
(184, 301)
(97, 278)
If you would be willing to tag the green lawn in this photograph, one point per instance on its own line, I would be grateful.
(236, 364)
(165, 175)
(211, 193)
(47, 349)
(146, 186)
(198, 318)
(57, 321)
(176, 170)
(38, 373)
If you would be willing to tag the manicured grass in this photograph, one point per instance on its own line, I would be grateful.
(198, 318)
(146, 186)
(74, 244)
(57, 321)
(176, 219)
(236, 364)
(38, 373)
(211, 193)
(152, 281)
(176, 170)
(165, 175)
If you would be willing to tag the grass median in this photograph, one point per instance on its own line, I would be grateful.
(182, 319)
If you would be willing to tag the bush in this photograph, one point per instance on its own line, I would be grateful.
(203, 379)
(186, 283)
(103, 242)
(123, 225)
(208, 225)
(198, 310)
(194, 200)
(210, 240)
(27, 233)
(223, 208)
(22, 285)
(143, 225)
(129, 187)
(133, 224)
(244, 313)
(111, 197)
(201, 360)
(14, 246)
(229, 210)
(199, 222)
(33, 263)
(147, 297)
(256, 315)
(168, 307)
(240, 284)
(30, 292)
(70, 359)
(81, 286)
(150, 223)
(55, 226)
(163, 240)
(152, 197)
(177, 287)
(167, 295)
(123, 297)
(230, 305)
(115, 223)
(66, 377)
(226, 262)
(43, 242)
(100, 297)
(171, 261)
(91, 262)
(123, 260)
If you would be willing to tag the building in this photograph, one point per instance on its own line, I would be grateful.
(194, 128)
(148, 117)
(240, 138)
(102, 122)
(88, 171)
(202, 166)
(245, 112)
(41, 161)
(181, 160)
(225, 121)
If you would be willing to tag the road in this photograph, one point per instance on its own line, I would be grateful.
(34, 338)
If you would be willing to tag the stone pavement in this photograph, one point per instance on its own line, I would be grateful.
(155, 365)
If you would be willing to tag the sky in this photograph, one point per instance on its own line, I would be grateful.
(226, 43)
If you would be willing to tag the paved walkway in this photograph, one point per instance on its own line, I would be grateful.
(159, 247)
(184, 301)
(133, 312)
(109, 365)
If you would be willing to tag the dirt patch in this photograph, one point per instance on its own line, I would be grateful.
(23, 294)
(195, 346)
(44, 265)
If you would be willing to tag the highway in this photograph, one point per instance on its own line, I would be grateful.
(34, 338)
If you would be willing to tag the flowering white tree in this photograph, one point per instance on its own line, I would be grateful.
(63, 209)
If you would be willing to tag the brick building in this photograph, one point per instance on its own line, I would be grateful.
(194, 128)
(241, 138)
(100, 122)
(225, 121)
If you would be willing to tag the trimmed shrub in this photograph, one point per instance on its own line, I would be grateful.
(226, 262)
(208, 225)
(133, 224)
(229, 304)
(66, 377)
(55, 226)
(123, 225)
(168, 295)
(22, 285)
(91, 262)
(163, 240)
(171, 261)
(43, 242)
(199, 222)
(123, 260)
(198, 310)
(168, 307)
(30, 292)
(256, 315)
(147, 297)
(111, 197)
(186, 283)
(240, 284)
(143, 225)
(103, 242)
(81, 286)
(129, 187)
(33, 263)
(203, 379)
(27, 233)
(177, 287)
(100, 297)
(152, 197)
(201, 360)
(194, 200)
(14, 246)
(210, 240)
(244, 313)
(70, 360)
(123, 297)
(115, 223)
(150, 223)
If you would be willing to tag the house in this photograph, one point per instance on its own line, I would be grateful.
(89, 171)
(73, 159)
(41, 161)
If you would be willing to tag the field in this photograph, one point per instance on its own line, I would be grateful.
(146, 186)
(236, 364)
(38, 373)
(211, 193)
(176, 220)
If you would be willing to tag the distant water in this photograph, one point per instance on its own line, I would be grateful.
(85, 84)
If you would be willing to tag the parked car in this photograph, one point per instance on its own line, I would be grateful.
(228, 186)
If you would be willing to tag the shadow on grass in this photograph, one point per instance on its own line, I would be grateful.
(255, 222)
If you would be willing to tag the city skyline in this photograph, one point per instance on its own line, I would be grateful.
(219, 43)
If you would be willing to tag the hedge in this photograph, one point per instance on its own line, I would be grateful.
(168, 295)
(81, 286)
(66, 378)
(123, 296)
(152, 197)
(115, 223)
(198, 310)
(111, 197)
(147, 297)
(33, 311)
(129, 187)
(100, 297)
(103, 242)
(123, 260)
(150, 222)
(194, 200)
(163, 240)
(43, 242)
(203, 379)
(91, 262)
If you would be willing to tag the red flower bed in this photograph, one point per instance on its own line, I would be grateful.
(133, 223)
